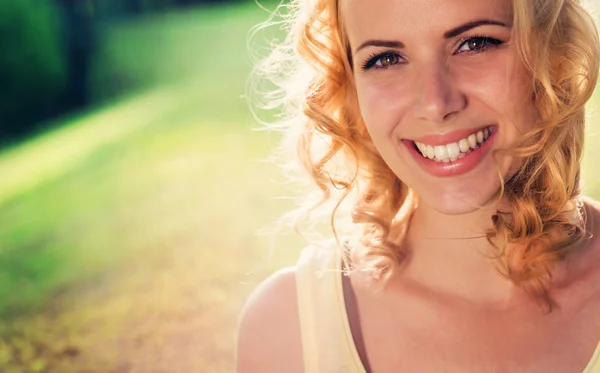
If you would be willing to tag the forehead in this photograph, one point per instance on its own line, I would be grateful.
(379, 18)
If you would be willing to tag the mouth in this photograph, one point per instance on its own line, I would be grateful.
(456, 157)
(454, 151)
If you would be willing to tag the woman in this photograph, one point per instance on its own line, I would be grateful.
(454, 130)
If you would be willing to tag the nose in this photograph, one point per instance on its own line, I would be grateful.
(438, 95)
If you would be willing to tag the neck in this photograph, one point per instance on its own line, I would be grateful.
(433, 225)
(450, 255)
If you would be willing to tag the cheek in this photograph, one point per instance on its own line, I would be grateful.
(383, 103)
(503, 88)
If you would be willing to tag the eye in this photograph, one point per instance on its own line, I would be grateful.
(382, 61)
(477, 44)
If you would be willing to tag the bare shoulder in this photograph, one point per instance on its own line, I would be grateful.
(585, 264)
(592, 204)
(589, 268)
(268, 337)
(592, 211)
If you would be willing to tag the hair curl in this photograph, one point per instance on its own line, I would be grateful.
(558, 43)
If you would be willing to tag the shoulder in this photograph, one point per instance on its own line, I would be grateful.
(269, 338)
(592, 217)
(581, 270)
(591, 204)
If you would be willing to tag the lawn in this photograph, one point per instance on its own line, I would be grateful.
(129, 236)
(139, 218)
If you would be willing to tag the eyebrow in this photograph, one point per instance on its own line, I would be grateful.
(470, 25)
(447, 35)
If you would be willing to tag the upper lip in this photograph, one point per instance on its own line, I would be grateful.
(449, 137)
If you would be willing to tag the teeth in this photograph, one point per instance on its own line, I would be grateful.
(441, 152)
(453, 150)
(472, 139)
(456, 150)
(430, 152)
(464, 145)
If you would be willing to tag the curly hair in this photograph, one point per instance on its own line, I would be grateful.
(558, 44)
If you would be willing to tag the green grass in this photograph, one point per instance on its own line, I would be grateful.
(77, 198)
(170, 172)
(127, 222)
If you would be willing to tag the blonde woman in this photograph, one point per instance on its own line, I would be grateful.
(454, 131)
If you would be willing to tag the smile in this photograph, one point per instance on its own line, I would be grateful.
(452, 154)
(454, 151)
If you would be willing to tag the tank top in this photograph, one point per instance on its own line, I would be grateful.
(327, 342)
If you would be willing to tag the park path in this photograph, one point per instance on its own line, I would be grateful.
(173, 310)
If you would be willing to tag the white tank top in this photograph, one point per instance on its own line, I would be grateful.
(327, 342)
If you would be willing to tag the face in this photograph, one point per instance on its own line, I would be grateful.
(440, 85)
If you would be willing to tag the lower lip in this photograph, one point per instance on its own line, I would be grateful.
(458, 167)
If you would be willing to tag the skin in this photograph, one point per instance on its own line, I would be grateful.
(437, 86)
(447, 309)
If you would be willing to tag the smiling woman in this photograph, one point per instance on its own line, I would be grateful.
(453, 129)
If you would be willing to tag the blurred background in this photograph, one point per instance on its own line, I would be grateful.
(133, 185)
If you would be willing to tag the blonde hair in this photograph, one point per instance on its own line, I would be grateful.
(558, 43)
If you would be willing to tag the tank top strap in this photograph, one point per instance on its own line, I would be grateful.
(593, 365)
(327, 341)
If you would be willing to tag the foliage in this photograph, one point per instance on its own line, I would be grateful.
(32, 66)
(125, 217)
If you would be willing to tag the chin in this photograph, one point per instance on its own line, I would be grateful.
(464, 202)
(456, 208)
